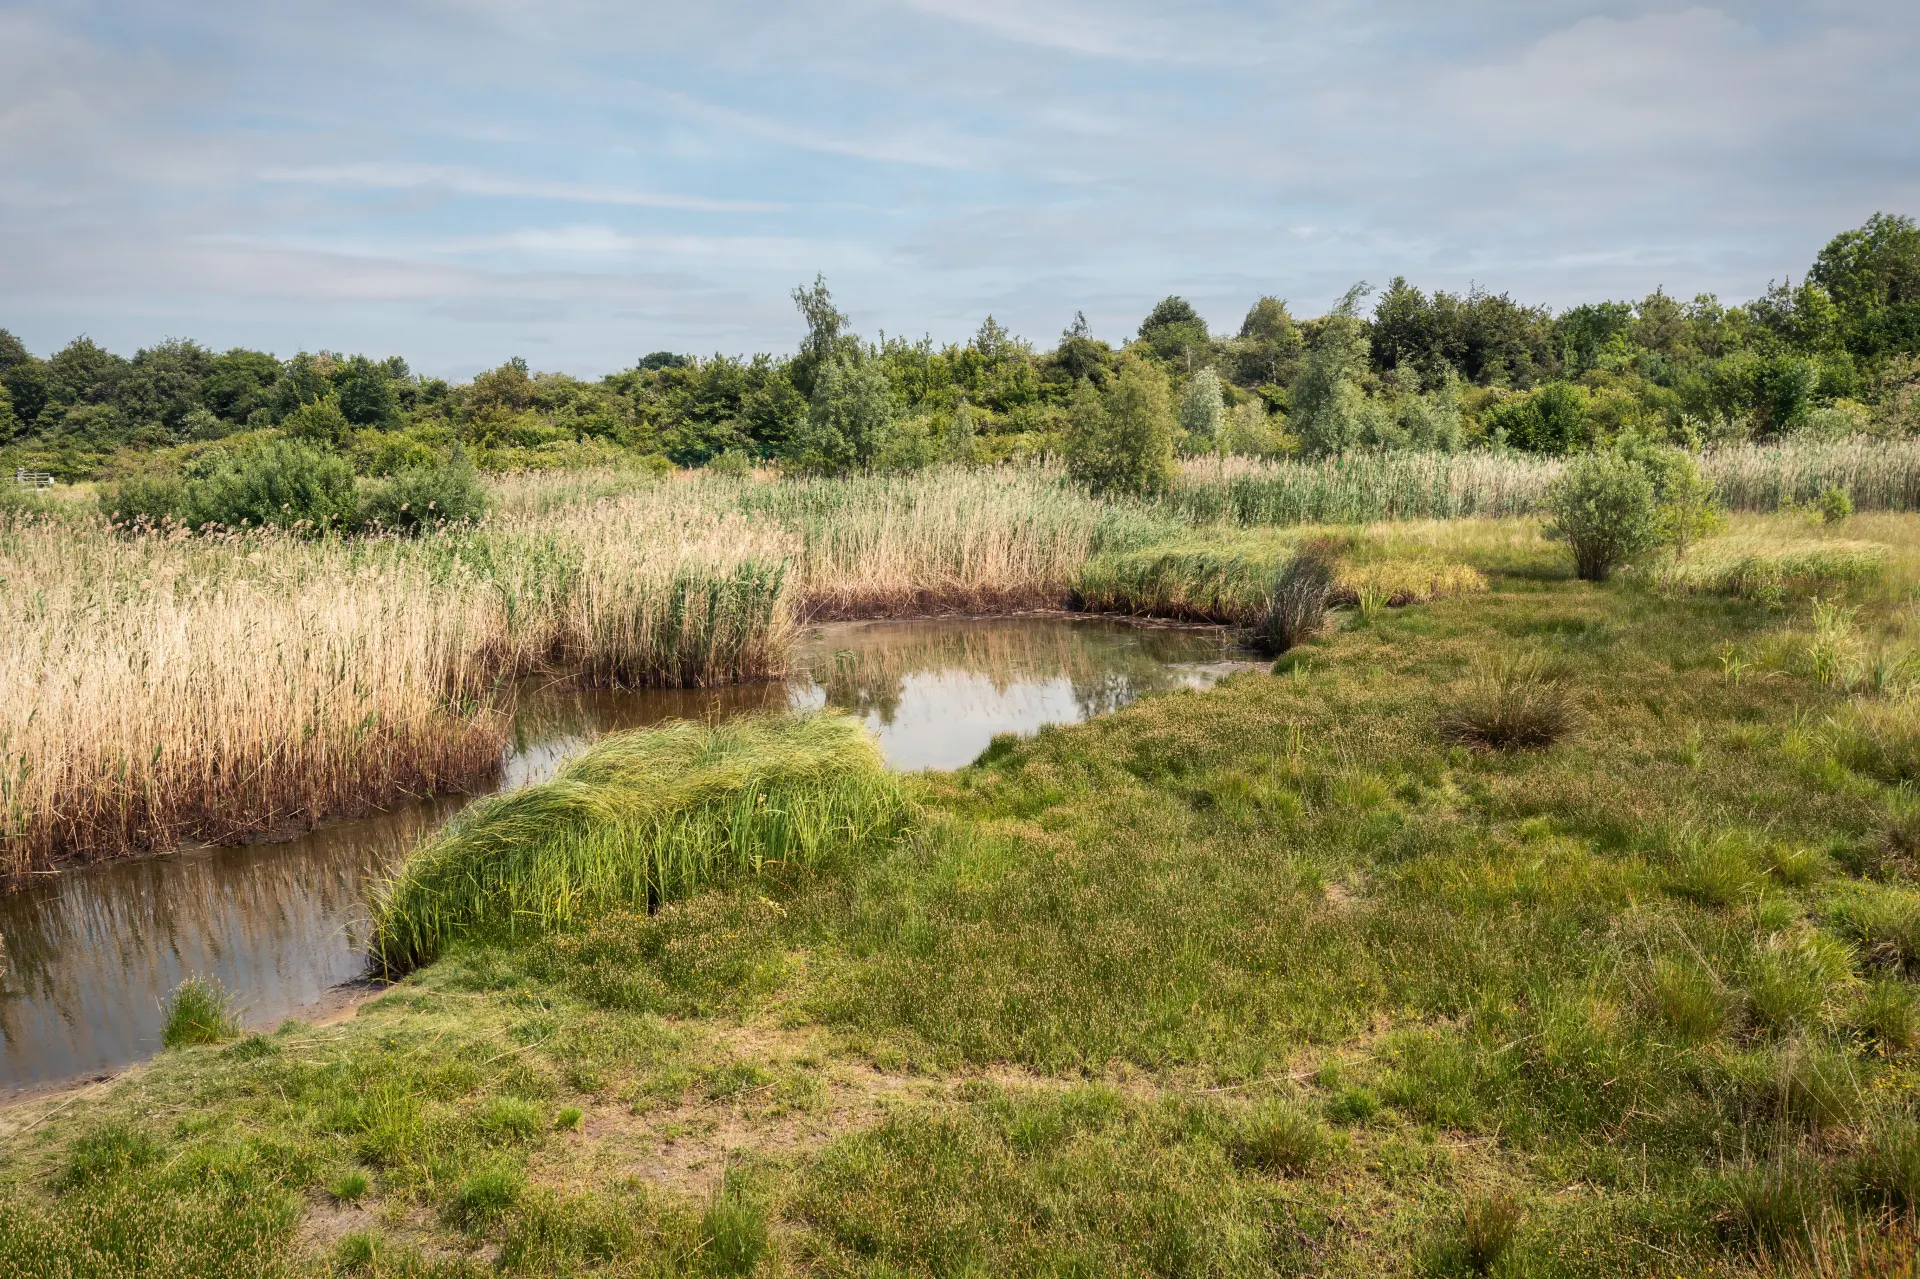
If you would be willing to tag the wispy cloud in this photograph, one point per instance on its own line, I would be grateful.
(452, 180)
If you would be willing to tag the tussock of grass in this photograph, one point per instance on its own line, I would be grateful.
(1762, 567)
(639, 819)
(1516, 704)
(198, 1012)
(1296, 607)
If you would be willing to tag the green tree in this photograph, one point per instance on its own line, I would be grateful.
(1081, 356)
(366, 392)
(1780, 390)
(319, 423)
(165, 384)
(1552, 420)
(962, 444)
(238, 384)
(1329, 411)
(1121, 443)
(1269, 344)
(1174, 331)
(1873, 276)
(826, 340)
(851, 414)
(1202, 413)
(83, 372)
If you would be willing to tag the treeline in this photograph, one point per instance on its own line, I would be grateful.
(1836, 354)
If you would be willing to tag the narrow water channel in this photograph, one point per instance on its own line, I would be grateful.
(89, 955)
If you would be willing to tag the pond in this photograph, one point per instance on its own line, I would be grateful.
(90, 954)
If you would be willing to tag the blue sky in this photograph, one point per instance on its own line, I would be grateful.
(458, 181)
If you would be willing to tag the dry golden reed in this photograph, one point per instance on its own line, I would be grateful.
(161, 689)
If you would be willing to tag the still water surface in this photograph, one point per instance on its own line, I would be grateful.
(89, 955)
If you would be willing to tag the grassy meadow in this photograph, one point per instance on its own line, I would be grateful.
(1520, 927)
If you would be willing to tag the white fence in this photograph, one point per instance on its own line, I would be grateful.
(32, 479)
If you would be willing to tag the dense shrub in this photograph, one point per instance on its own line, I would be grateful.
(282, 484)
(424, 496)
(1603, 507)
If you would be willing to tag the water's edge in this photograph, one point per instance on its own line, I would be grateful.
(88, 955)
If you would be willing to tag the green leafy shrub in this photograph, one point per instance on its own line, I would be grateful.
(1603, 507)
(1833, 504)
(146, 499)
(280, 484)
(424, 497)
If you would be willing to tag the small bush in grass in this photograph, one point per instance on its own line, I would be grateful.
(1517, 704)
(1298, 606)
(107, 1152)
(350, 1188)
(1488, 1224)
(1803, 1081)
(1280, 1137)
(1834, 505)
(1602, 506)
(568, 1120)
(735, 1228)
(486, 1194)
(198, 1012)
(1796, 867)
(1887, 1015)
(1793, 978)
(1710, 870)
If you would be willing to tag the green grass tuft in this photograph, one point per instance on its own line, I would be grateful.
(198, 1012)
(638, 820)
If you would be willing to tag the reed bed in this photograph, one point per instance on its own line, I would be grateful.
(1359, 488)
(1878, 475)
(163, 689)
(640, 819)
